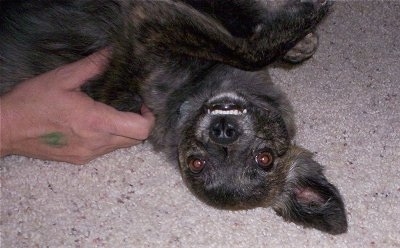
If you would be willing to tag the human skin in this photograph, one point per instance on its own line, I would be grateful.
(48, 117)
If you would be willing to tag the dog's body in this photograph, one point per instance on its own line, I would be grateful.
(230, 129)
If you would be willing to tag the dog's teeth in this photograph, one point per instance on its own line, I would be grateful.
(227, 112)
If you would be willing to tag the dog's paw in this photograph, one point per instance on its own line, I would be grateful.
(318, 3)
(303, 50)
(317, 8)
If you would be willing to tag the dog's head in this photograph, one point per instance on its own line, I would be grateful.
(228, 154)
(235, 153)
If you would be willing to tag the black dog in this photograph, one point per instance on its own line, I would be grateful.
(189, 61)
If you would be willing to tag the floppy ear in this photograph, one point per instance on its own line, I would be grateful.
(308, 198)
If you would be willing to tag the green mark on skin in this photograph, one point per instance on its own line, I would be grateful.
(55, 139)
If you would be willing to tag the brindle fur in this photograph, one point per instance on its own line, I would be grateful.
(185, 59)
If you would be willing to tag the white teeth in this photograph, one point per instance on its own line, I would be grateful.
(227, 112)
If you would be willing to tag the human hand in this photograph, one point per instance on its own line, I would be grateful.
(48, 117)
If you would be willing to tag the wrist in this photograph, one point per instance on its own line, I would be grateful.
(5, 130)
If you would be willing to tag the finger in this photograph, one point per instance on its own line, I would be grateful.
(125, 124)
(147, 114)
(79, 72)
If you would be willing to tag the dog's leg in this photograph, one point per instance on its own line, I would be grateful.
(147, 41)
(287, 29)
(241, 18)
(261, 32)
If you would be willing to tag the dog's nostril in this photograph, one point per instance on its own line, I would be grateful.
(230, 132)
(217, 132)
(223, 131)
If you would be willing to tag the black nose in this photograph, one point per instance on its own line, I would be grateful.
(223, 131)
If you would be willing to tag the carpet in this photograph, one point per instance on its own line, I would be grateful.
(347, 103)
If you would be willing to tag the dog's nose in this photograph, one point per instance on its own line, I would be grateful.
(224, 131)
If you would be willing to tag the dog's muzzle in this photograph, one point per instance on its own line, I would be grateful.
(223, 119)
(224, 128)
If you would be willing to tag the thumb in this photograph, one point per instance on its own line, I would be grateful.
(125, 124)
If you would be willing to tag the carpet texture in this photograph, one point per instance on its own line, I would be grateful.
(348, 112)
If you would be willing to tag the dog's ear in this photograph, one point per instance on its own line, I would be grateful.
(308, 198)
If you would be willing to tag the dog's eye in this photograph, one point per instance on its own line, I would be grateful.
(265, 160)
(196, 165)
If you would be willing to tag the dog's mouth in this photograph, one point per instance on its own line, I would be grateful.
(224, 120)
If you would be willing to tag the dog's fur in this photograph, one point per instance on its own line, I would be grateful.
(190, 62)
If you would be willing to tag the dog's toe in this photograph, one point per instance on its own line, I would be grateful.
(303, 50)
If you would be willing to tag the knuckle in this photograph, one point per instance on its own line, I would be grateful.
(63, 72)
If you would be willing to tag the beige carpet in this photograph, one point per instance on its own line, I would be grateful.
(347, 100)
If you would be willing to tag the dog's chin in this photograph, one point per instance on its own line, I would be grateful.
(236, 204)
(226, 199)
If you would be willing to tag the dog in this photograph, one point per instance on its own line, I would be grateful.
(197, 65)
